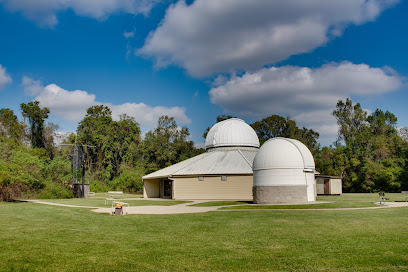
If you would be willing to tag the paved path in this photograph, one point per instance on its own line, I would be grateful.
(393, 204)
(173, 209)
(186, 208)
(58, 204)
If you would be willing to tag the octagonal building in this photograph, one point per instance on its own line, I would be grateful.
(283, 172)
(224, 171)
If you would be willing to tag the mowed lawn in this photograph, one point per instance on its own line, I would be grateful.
(99, 200)
(37, 237)
(361, 197)
(358, 200)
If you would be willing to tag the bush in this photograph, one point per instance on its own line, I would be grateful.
(26, 168)
(98, 187)
(54, 190)
(129, 180)
(59, 170)
(12, 192)
(20, 171)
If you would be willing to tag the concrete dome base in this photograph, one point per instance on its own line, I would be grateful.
(295, 194)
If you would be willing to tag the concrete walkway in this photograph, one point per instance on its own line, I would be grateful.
(58, 204)
(186, 208)
(393, 204)
(173, 209)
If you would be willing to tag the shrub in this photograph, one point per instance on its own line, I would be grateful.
(55, 190)
(98, 186)
(12, 192)
(130, 180)
(59, 170)
(20, 171)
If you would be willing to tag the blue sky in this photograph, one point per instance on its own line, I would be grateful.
(197, 60)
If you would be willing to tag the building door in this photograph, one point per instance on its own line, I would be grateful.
(326, 186)
(167, 188)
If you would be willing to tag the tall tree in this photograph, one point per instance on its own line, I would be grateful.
(127, 140)
(331, 160)
(350, 119)
(385, 162)
(10, 127)
(373, 151)
(48, 136)
(275, 126)
(278, 126)
(353, 132)
(36, 117)
(166, 144)
(404, 133)
(116, 141)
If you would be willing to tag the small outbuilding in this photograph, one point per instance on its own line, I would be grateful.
(284, 172)
(329, 185)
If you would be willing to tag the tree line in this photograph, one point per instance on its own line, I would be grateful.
(370, 152)
(31, 163)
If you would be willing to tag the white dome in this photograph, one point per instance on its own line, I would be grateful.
(231, 132)
(283, 153)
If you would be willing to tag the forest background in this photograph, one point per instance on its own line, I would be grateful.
(371, 152)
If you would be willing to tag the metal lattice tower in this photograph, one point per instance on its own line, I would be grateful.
(78, 160)
(78, 157)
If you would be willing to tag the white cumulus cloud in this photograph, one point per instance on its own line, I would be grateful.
(307, 95)
(211, 36)
(72, 105)
(4, 77)
(44, 12)
(129, 34)
(147, 115)
(31, 86)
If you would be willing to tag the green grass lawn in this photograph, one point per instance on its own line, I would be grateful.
(360, 200)
(342, 201)
(99, 201)
(334, 205)
(220, 203)
(95, 202)
(364, 197)
(38, 237)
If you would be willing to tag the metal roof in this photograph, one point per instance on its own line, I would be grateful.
(231, 132)
(237, 162)
(326, 176)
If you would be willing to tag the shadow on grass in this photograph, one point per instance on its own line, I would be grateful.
(221, 203)
(334, 205)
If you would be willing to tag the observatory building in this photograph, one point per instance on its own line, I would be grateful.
(284, 172)
(235, 168)
(224, 171)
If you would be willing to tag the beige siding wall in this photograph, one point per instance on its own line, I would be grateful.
(320, 186)
(335, 187)
(151, 188)
(234, 188)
